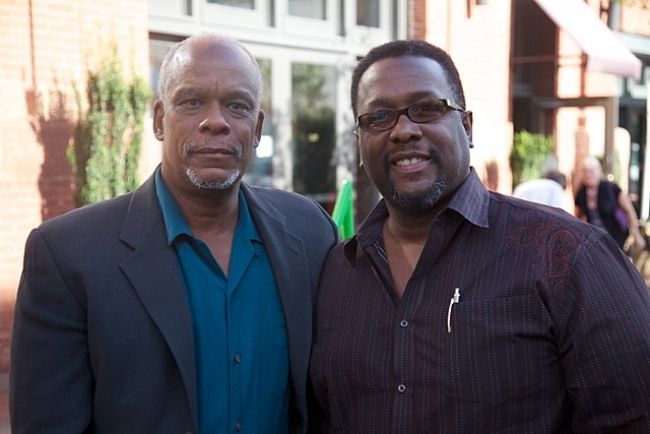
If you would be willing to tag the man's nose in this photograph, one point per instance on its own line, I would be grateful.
(405, 130)
(214, 121)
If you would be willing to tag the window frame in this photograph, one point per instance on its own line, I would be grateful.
(303, 26)
(256, 18)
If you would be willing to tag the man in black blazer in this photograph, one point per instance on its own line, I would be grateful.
(110, 335)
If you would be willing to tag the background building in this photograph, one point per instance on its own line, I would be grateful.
(573, 69)
(306, 50)
(577, 70)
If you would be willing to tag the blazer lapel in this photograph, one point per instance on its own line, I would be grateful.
(153, 271)
(293, 277)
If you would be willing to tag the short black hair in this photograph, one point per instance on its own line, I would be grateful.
(408, 48)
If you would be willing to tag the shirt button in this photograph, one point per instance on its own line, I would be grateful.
(237, 358)
(404, 323)
(401, 388)
(238, 427)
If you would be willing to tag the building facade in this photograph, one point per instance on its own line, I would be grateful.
(573, 69)
(48, 47)
(307, 50)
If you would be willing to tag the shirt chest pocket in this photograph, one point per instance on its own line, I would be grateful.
(499, 350)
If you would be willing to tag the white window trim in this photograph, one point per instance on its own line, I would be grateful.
(212, 13)
(167, 8)
(369, 35)
(293, 25)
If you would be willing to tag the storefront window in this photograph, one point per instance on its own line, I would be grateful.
(314, 131)
(308, 9)
(245, 4)
(368, 13)
(261, 169)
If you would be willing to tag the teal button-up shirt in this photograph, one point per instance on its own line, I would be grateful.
(240, 337)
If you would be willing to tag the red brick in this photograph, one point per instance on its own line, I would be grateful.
(64, 38)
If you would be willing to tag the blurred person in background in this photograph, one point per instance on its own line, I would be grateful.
(602, 203)
(548, 190)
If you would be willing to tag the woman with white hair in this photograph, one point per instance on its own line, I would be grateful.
(604, 204)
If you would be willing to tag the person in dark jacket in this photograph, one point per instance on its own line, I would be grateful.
(602, 203)
(185, 306)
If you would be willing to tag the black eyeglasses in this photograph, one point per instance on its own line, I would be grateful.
(421, 113)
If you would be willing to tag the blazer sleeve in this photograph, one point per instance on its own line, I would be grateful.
(50, 378)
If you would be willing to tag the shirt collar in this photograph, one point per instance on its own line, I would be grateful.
(176, 225)
(471, 201)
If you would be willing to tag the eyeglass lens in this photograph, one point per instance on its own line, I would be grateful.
(422, 112)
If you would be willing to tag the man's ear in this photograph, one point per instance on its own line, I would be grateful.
(361, 166)
(467, 119)
(258, 127)
(158, 115)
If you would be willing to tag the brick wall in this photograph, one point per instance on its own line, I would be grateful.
(47, 47)
(417, 19)
(478, 39)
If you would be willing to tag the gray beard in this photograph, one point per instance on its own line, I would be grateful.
(214, 185)
(210, 185)
(419, 201)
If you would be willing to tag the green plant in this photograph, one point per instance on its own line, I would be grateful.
(529, 152)
(106, 144)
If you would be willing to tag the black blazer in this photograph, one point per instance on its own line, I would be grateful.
(102, 339)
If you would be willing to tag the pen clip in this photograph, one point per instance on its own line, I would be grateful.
(455, 299)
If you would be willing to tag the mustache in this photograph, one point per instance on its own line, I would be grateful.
(192, 148)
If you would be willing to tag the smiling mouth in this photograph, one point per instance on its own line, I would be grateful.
(408, 161)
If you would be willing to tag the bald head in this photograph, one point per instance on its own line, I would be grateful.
(199, 45)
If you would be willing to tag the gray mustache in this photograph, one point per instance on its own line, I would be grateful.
(192, 148)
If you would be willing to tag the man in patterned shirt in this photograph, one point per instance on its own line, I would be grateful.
(459, 310)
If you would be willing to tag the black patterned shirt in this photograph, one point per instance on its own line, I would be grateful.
(518, 318)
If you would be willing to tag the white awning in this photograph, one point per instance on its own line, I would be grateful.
(605, 52)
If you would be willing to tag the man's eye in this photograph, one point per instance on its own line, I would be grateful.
(239, 107)
(379, 117)
(191, 103)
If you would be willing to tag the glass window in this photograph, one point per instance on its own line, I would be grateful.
(245, 4)
(308, 9)
(261, 169)
(314, 131)
(158, 48)
(368, 13)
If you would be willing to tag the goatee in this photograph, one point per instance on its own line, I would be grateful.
(191, 148)
(421, 200)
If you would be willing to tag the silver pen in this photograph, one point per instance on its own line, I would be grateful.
(455, 299)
